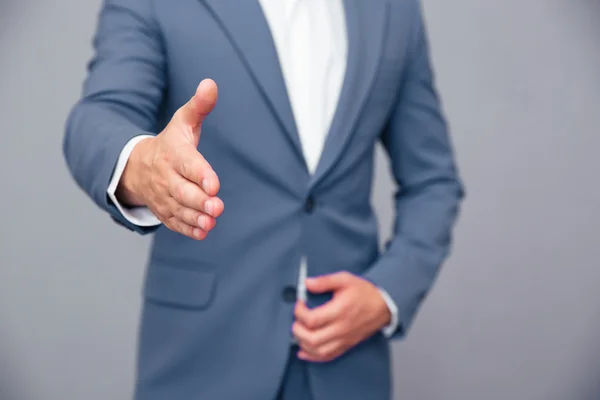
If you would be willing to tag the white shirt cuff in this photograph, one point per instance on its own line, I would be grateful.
(391, 328)
(140, 216)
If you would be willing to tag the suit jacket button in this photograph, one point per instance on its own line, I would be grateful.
(309, 205)
(289, 294)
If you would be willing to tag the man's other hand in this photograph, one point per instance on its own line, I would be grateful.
(356, 311)
(168, 175)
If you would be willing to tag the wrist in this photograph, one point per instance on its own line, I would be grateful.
(386, 314)
(127, 191)
(386, 308)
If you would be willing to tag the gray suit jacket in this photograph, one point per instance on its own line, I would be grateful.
(217, 314)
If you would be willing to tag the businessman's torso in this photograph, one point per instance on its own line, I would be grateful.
(215, 307)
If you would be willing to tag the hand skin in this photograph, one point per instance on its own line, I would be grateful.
(356, 311)
(167, 174)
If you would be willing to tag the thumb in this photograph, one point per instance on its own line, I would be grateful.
(200, 105)
(328, 283)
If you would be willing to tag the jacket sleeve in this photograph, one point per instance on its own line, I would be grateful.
(121, 97)
(427, 202)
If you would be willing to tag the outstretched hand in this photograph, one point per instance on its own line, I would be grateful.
(168, 175)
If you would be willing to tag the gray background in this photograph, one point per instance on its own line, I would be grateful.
(515, 313)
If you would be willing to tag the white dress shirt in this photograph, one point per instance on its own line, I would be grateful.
(311, 42)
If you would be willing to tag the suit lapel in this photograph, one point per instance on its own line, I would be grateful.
(366, 22)
(244, 23)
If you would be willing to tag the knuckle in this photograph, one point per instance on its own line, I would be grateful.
(299, 330)
(171, 223)
(202, 172)
(179, 212)
(196, 170)
(184, 228)
(167, 155)
(309, 339)
(185, 167)
(310, 342)
(164, 210)
(315, 321)
(179, 192)
(322, 352)
(317, 342)
(296, 329)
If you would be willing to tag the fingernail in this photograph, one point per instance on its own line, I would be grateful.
(202, 222)
(209, 207)
(206, 185)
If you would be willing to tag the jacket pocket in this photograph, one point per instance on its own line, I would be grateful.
(183, 285)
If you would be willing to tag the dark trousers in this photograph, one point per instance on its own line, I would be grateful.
(295, 385)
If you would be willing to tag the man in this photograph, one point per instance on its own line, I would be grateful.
(265, 279)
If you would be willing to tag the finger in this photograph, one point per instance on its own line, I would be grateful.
(186, 193)
(329, 283)
(326, 353)
(312, 340)
(189, 195)
(190, 164)
(323, 315)
(206, 222)
(302, 334)
(193, 113)
(193, 217)
(214, 207)
(177, 225)
(301, 312)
